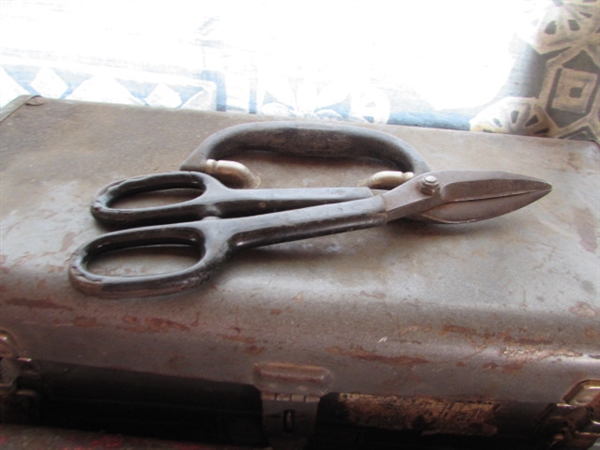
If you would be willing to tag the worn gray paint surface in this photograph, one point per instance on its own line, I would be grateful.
(505, 309)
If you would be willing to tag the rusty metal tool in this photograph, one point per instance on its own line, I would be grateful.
(442, 197)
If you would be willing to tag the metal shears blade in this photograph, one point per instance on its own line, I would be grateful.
(470, 196)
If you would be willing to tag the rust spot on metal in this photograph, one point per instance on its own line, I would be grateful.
(468, 333)
(585, 310)
(424, 415)
(239, 338)
(85, 322)
(135, 323)
(458, 330)
(362, 354)
(517, 357)
(157, 324)
(514, 348)
(42, 303)
(255, 350)
(153, 325)
(525, 341)
(483, 340)
(512, 368)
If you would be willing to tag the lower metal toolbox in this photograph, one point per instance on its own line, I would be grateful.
(404, 336)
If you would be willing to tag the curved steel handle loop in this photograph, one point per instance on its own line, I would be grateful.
(213, 199)
(322, 140)
(185, 211)
(211, 256)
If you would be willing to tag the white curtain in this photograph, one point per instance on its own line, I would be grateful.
(529, 67)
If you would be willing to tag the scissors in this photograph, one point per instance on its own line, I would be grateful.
(439, 197)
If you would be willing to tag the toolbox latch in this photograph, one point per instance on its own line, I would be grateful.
(290, 399)
(19, 380)
(573, 423)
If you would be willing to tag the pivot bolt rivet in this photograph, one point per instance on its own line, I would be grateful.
(429, 185)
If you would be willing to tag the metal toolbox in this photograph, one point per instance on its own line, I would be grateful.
(404, 336)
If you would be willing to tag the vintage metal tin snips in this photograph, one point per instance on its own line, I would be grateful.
(247, 217)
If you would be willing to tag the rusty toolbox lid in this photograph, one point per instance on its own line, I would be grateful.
(503, 309)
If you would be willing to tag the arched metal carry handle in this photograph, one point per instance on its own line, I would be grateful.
(102, 207)
(322, 140)
(194, 237)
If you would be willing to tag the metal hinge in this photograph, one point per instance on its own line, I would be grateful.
(290, 399)
(19, 403)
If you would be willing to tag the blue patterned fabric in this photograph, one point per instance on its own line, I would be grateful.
(526, 67)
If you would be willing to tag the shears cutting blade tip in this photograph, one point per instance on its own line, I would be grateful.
(469, 196)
